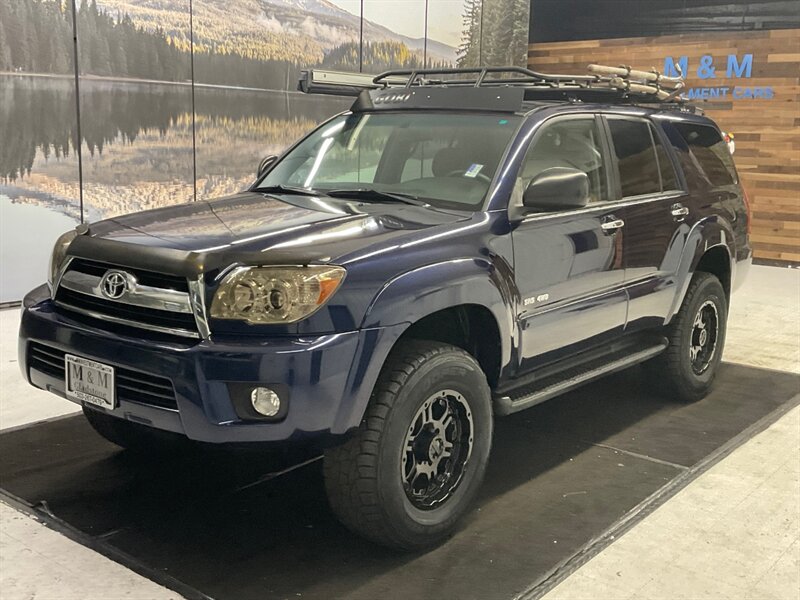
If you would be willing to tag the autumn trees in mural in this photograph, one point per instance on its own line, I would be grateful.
(378, 57)
(119, 38)
(38, 39)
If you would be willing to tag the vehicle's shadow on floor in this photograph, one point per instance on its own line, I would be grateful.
(215, 519)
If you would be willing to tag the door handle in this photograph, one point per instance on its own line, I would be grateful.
(679, 211)
(612, 225)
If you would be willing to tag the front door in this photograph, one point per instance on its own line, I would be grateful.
(568, 264)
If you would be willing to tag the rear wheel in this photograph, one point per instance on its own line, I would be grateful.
(411, 469)
(696, 335)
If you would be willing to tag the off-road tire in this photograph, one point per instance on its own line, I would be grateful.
(672, 370)
(364, 477)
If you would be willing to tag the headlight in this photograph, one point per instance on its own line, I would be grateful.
(59, 254)
(262, 295)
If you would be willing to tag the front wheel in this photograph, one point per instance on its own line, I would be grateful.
(413, 466)
(696, 335)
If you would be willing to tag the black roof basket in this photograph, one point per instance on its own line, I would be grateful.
(604, 83)
(520, 76)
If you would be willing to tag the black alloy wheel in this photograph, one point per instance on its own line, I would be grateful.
(686, 369)
(410, 471)
(437, 449)
(703, 340)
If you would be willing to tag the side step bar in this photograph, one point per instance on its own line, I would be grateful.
(505, 405)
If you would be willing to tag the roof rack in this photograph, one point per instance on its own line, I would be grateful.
(602, 84)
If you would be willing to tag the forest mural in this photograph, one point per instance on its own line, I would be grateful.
(494, 32)
(138, 121)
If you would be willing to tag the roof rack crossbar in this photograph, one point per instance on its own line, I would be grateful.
(623, 83)
(413, 76)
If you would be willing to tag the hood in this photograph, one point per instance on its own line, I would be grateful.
(253, 227)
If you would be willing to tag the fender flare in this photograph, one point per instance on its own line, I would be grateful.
(416, 294)
(710, 232)
(420, 292)
(425, 290)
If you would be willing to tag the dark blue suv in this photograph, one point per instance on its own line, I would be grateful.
(458, 245)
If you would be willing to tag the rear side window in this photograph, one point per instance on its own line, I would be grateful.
(705, 155)
(669, 181)
(639, 172)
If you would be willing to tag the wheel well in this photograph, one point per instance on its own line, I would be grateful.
(470, 327)
(717, 262)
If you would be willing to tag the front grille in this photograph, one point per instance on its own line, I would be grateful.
(159, 280)
(137, 314)
(132, 386)
(80, 295)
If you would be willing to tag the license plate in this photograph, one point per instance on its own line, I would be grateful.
(89, 381)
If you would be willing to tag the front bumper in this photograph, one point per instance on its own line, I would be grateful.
(327, 379)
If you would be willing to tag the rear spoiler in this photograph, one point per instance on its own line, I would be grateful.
(342, 83)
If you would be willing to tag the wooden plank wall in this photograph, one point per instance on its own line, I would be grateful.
(767, 132)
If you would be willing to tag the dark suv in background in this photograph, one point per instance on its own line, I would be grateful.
(458, 245)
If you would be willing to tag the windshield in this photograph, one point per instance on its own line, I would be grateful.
(446, 160)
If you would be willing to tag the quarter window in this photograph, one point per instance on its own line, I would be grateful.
(706, 153)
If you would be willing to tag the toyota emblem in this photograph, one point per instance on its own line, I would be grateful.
(114, 284)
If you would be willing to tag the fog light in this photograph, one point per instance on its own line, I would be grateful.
(265, 401)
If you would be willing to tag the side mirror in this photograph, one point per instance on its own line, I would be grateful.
(557, 188)
(265, 164)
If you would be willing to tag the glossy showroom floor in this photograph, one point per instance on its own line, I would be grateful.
(650, 501)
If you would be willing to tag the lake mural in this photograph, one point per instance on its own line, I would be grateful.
(137, 148)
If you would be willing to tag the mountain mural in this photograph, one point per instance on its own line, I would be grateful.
(301, 31)
(144, 142)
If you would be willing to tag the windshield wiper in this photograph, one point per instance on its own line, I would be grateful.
(286, 189)
(367, 195)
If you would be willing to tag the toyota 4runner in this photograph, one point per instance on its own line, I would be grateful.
(458, 245)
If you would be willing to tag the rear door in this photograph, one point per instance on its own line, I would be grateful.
(656, 212)
(568, 264)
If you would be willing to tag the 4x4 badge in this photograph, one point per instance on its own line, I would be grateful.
(114, 284)
(535, 299)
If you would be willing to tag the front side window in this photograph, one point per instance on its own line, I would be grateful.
(447, 160)
(639, 172)
(571, 143)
